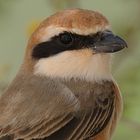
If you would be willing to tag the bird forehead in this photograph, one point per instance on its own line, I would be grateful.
(76, 18)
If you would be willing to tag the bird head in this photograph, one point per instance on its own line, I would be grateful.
(73, 43)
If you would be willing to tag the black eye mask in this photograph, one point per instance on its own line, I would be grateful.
(101, 42)
(63, 42)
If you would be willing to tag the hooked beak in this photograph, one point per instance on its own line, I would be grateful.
(109, 43)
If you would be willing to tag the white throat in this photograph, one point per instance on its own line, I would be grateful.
(82, 64)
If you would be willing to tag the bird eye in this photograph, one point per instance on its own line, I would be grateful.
(66, 38)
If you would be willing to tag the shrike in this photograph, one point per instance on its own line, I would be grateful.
(64, 89)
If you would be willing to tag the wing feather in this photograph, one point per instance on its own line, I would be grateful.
(69, 123)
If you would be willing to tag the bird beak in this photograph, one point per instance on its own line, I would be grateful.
(109, 43)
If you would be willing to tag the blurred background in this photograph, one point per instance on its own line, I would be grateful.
(18, 18)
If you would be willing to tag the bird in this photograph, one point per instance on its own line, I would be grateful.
(64, 89)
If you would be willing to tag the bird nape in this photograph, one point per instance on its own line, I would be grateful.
(64, 89)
